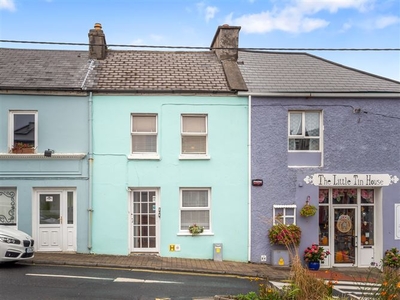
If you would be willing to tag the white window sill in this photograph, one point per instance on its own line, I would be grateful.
(145, 156)
(194, 156)
(209, 233)
(76, 156)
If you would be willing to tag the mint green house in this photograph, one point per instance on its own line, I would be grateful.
(170, 149)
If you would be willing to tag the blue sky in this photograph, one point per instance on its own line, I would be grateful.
(264, 24)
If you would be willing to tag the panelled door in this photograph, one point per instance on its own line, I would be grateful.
(54, 228)
(145, 214)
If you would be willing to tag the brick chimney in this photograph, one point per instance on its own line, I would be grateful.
(226, 37)
(97, 43)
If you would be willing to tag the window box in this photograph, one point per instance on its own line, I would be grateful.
(23, 150)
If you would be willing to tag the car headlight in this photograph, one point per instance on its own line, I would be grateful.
(9, 240)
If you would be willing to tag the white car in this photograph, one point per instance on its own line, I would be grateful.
(15, 245)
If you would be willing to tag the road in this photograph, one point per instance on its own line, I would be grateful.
(32, 282)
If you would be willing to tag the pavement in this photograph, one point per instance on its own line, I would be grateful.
(157, 263)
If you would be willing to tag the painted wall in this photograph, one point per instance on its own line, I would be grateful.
(364, 142)
(226, 173)
(62, 126)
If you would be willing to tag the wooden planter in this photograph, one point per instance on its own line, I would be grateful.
(23, 150)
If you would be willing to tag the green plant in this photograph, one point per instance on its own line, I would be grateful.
(391, 258)
(21, 145)
(308, 210)
(195, 229)
(315, 253)
(281, 234)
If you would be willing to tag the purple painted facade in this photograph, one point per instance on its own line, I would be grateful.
(359, 136)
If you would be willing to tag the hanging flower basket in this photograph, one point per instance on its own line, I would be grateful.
(281, 234)
(195, 229)
(308, 210)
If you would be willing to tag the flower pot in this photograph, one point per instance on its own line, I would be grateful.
(313, 265)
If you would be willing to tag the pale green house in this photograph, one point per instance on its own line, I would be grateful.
(170, 149)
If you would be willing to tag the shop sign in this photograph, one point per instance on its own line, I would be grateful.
(354, 180)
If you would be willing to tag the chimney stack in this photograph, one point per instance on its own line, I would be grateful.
(226, 37)
(97, 43)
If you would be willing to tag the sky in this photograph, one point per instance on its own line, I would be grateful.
(266, 24)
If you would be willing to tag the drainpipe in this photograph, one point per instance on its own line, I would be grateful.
(249, 162)
(90, 171)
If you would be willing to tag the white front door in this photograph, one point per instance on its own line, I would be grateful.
(145, 215)
(54, 220)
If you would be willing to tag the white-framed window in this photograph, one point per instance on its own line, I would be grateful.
(144, 134)
(194, 135)
(195, 208)
(23, 129)
(8, 206)
(304, 130)
(284, 214)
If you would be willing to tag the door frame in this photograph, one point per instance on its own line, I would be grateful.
(158, 214)
(355, 235)
(68, 231)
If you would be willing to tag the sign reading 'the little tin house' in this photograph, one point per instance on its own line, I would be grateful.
(369, 180)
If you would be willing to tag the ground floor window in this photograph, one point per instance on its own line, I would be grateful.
(195, 208)
(8, 206)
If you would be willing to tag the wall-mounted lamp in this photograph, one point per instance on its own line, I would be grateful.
(257, 182)
(48, 152)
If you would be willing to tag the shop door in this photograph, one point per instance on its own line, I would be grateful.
(345, 238)
(55, 226)
(144, 221)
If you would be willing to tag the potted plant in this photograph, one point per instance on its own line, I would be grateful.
(314, 255)
(308, 210)
(195, 229)
(281, 234)
(22, 148)
(391, 260)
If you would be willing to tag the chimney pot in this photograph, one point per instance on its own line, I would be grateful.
(97, 26)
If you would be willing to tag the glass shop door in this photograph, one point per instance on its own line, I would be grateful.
(345, 236)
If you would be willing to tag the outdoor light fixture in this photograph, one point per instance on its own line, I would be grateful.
(48, 152)
(257, 182)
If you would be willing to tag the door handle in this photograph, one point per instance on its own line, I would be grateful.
(60, 219)
(159, 212)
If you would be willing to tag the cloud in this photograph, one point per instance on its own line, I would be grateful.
(386, 21)
(7, 5)
(210, 12)
(296, 16)
(207, 11)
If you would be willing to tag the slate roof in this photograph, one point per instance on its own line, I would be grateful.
(160, 71)
(283, 72)
(42, 69)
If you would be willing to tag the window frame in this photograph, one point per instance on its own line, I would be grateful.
(10, 192)
(190, 155)
(285, 216)
(144, 155)
(11, 129)
(184, 231)
(303, 136)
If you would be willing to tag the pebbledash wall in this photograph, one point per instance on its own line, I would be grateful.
(225, 173)
(359, 145)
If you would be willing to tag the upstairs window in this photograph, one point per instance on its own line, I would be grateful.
(305, 131)
(194, 135)
(144, 134)
(23, 129)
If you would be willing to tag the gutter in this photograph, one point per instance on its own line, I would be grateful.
(324, 95)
